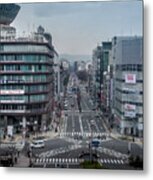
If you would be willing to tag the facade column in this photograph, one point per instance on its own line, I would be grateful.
(122, 130)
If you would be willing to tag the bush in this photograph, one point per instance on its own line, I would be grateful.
(136, 162)
(91, 165)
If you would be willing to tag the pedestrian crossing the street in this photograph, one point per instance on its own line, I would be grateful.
(39, 161)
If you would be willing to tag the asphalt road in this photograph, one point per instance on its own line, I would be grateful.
(85, 123)
(52, 144)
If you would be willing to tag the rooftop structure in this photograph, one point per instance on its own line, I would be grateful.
(8, 12)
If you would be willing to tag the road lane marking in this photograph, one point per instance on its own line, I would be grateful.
(80, 122)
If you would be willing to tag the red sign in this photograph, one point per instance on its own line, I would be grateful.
(130, 78)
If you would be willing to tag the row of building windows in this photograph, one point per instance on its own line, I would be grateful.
(129, 67)
(129, 92)
(123, 80)
(23, 48)
(31, 88)
(24, 78)
(31, 98)
(21, 107)
(23, 57)
(24, 68)
(129, 102)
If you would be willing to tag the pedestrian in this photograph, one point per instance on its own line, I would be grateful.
(18, 153)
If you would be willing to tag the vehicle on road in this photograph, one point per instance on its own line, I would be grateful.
(44, 138)
(38, 143)
(65, 106)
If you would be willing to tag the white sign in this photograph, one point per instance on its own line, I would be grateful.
(140, 126)
(10, 130)
(130, 78)
(12, 101)
(17, 91)
(129, 114)
(129, 107)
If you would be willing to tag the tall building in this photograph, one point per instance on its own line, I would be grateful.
(96, 58)
(104, 60)
(75, 66)
(127, 54)
(26, 76)
(100, 65)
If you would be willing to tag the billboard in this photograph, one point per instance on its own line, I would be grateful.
(130, 78)
(130, 107)
(12, 101)
(130, 110)
(130, 114)
(10, 130)
(10, 92)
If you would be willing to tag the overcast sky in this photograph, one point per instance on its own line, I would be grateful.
(77, 28)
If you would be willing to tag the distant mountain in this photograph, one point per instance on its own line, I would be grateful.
(71, 58)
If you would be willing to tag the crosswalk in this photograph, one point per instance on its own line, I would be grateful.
(77, 111)
(57, 161)
(69, 148)
(112, 161)
(112, 152)
(84, 134)
(42, 161)
(58, 151)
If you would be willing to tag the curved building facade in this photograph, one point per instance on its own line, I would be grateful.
(8, 12)
(26, 85)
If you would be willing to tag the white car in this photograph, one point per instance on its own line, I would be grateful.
(37, 144)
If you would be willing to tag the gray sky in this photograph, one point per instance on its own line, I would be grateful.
(77, 28)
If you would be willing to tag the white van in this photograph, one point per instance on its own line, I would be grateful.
(37, 143)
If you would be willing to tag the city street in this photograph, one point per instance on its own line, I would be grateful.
(77, 130)
(71, 92)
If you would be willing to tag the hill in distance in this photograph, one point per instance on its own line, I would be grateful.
(71, 58)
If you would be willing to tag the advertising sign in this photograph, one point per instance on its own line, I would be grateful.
(130, 78)
(129, 114)
(12, 101)
(10, 130)
(17, 91)
(130, 107)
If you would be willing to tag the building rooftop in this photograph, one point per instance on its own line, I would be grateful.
(8, 12)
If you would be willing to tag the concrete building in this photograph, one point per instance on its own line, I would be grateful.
(127, 62)
(75, 66)
(26, 71)
(96, 58)
(100, 65)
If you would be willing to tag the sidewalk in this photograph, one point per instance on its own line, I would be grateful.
(18, 138)
(23, 161)
(115, 135)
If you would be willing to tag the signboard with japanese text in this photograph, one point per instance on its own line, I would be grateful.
(130, 78)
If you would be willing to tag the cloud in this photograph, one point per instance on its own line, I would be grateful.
(51, 9)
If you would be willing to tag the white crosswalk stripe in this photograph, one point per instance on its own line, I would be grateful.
(59, 151)
(83, 134)
(112, 153)
(74, 161)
